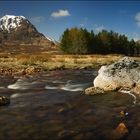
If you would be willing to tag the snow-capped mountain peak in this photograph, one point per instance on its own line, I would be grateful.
(9, 22)
(19, 30)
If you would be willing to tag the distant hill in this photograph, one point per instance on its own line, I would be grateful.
(17, 30)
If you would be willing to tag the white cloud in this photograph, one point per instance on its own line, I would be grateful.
(137, 18)
(37, 18)
(60, 13)
(99, 28)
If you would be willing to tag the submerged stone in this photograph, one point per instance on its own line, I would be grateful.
(4, 100)
(120, 131)
(93, 91)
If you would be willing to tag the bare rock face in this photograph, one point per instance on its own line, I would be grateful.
(124, 74)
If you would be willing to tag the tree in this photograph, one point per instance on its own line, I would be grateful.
(74, 41)
(81, 41)
(65, 41)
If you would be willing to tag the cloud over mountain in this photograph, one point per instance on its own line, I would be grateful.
(60, 13)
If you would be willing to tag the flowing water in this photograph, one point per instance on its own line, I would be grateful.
(52, 105)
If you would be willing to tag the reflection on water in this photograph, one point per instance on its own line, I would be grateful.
(52, 105)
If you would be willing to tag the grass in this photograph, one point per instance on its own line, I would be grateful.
(53, 61)
(45, 61)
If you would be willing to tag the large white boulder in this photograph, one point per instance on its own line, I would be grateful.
(122, 74)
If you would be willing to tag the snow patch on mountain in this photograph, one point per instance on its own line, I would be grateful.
(52, 40)
(49, 38)
(9, 22)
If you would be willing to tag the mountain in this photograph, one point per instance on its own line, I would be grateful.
(19, 30)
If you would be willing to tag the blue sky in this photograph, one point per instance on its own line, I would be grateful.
(53, 17)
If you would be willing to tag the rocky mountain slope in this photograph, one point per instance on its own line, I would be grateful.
(19, 30)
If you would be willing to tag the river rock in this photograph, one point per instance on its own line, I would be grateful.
(30, 70)
(4, 100)
(122, 74)
(93, 91)
(120, 131)
(136, 89)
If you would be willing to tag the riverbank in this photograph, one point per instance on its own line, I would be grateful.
(31, 63)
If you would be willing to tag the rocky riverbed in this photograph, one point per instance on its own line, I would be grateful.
(52, 105)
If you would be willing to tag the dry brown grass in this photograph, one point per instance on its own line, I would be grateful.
(68, 58)
(53, 61)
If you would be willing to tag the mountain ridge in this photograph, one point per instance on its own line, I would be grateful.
(19, 30)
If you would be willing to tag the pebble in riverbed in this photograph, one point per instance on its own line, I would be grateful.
(4, 100)
(19, 71)
(123, 113)
(93, 90)
(120, 131)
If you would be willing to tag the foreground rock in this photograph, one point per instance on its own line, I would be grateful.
(93, 91)
(120, 131)
(124, 74)
(4, 100)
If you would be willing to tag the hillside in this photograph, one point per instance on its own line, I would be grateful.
(19, 31)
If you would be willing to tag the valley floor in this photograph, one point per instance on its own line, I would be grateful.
(32, 63)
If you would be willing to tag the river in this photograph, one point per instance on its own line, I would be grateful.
(52, 105)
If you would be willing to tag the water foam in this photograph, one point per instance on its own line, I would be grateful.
(2, 87)
(14, 95)
(18, 86)
(131, 94)
(22, 84)
(68, 87)
(73, 87)
(51, 87)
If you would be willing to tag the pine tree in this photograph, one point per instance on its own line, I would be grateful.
(81, 41)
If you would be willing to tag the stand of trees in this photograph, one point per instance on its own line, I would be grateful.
(81, 41)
